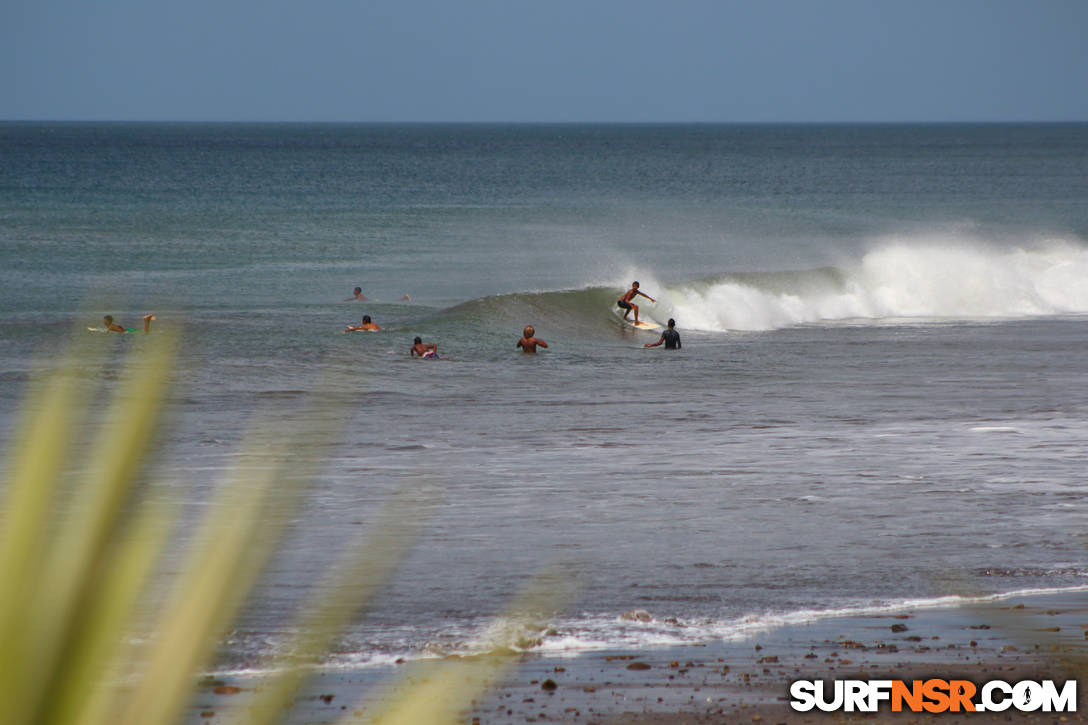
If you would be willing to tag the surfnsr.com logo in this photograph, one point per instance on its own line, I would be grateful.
(933, 695)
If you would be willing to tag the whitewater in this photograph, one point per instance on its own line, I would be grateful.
(905, 281)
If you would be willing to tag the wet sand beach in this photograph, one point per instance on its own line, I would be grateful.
(748, 681)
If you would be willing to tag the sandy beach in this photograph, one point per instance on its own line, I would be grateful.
(1039, 638)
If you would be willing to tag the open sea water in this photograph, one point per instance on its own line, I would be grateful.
(881, 400)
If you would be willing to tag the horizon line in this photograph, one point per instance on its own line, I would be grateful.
(553, 122)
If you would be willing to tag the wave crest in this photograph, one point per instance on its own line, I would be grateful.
(895, 281)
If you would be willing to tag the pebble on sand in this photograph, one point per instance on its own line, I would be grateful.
(227, 690)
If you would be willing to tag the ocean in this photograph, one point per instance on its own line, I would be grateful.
(881, 401)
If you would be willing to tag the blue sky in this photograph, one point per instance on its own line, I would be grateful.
(545, 60)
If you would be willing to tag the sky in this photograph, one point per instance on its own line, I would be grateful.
(545, 60)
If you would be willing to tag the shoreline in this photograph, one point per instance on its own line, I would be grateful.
(746, 680)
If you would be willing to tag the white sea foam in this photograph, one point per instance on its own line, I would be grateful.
(574, 635)
(915, 279)
(598, 633)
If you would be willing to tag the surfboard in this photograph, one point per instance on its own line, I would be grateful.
(645, 323)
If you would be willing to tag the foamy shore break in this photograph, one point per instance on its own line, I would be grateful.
(1032, 638)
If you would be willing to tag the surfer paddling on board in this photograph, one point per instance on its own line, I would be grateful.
(112, 326)
(627, 305)
(670, 337)
(529, 342)
(367, 325)
(427, 352)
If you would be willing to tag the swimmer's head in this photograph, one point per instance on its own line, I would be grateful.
(528, 331)
(358, 290)
(418, 341)
(108, 319)
(366, 319)
(634, 284)
(672, 322)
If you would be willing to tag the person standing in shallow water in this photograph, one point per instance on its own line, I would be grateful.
(670, 337)
(529, 342)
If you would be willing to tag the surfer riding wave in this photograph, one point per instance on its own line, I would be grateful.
(627, 305)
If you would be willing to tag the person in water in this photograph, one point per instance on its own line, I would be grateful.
(112, 326)
(367, 326)
(428, 351)
(670, 337)
(528, 342)
(356, 295)
(627, 305)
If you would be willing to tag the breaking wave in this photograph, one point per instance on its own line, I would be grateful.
(896, 282)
